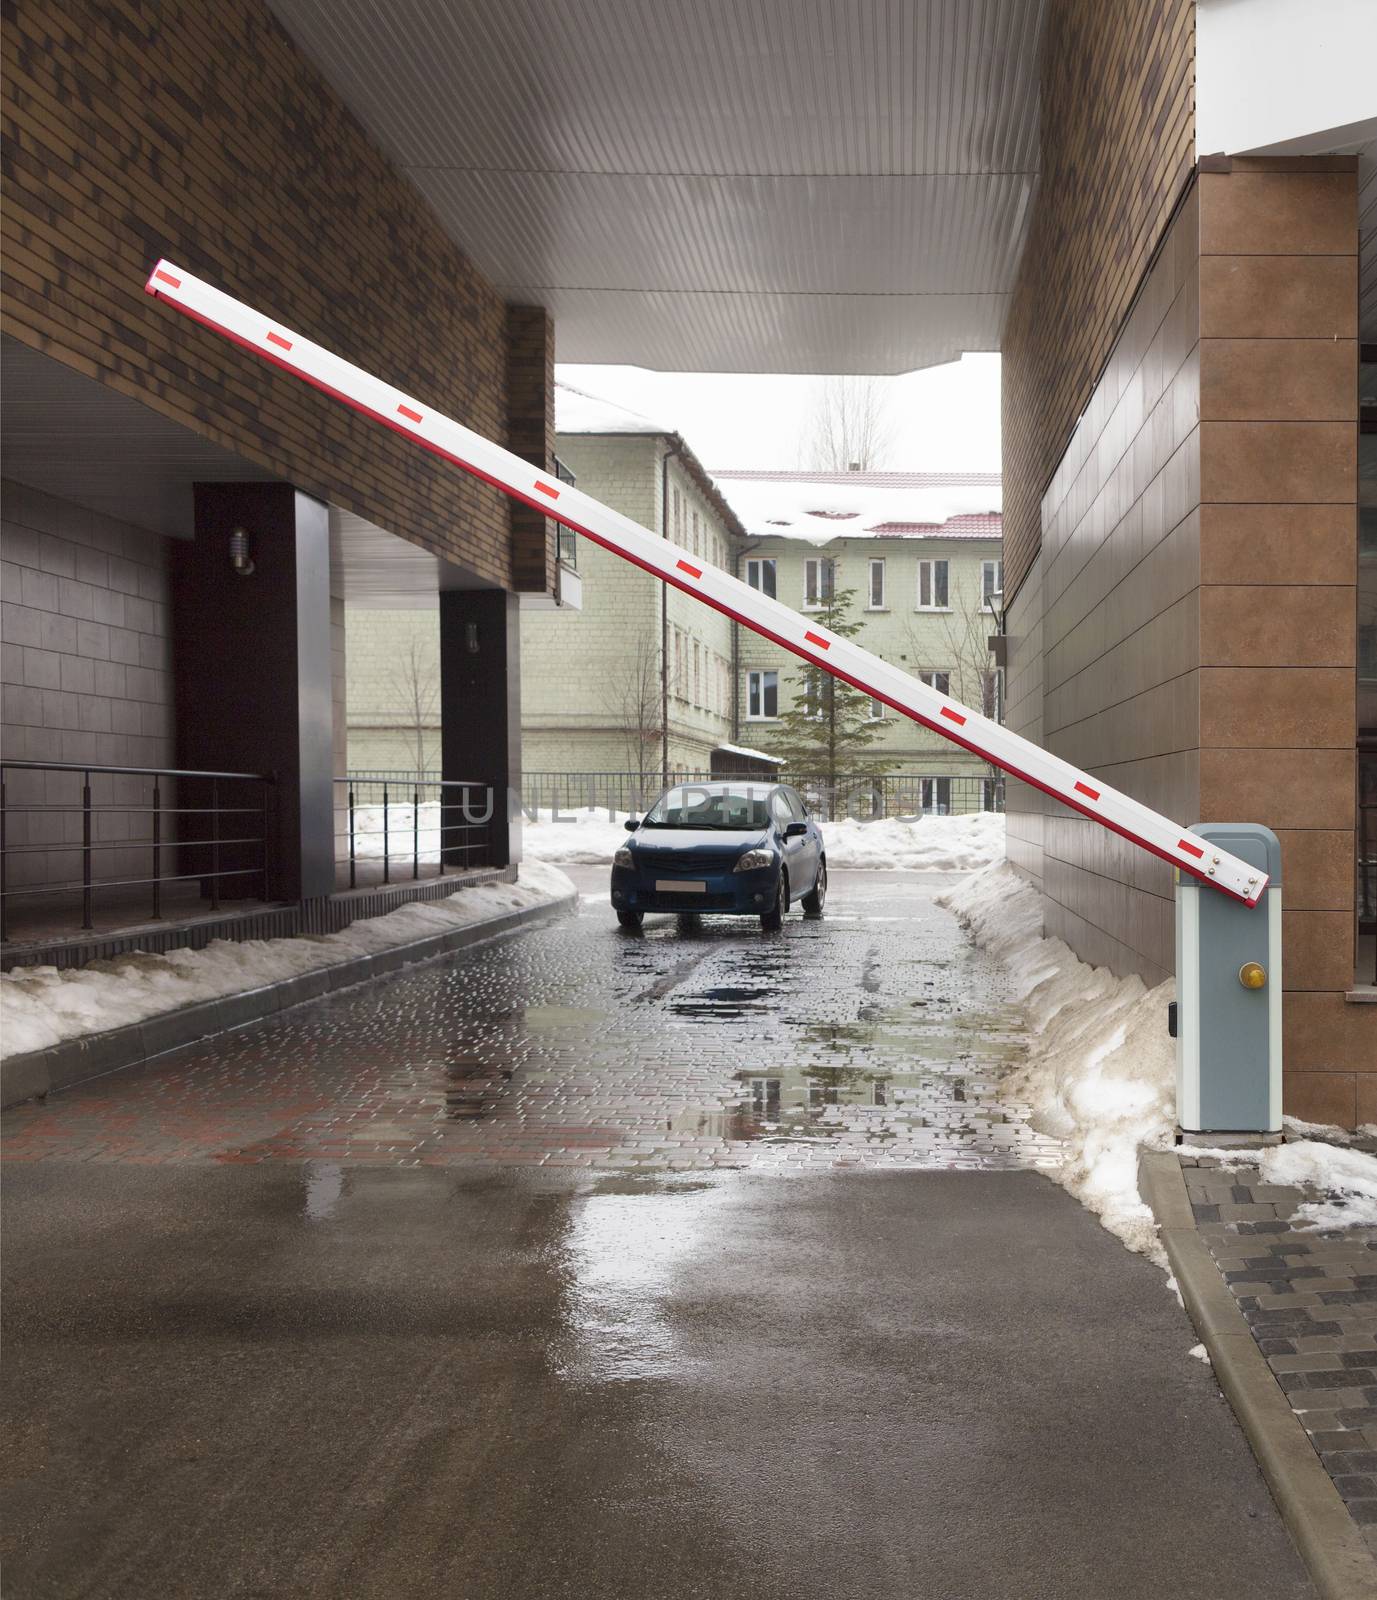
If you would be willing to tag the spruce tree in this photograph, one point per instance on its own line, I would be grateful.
(827, 731)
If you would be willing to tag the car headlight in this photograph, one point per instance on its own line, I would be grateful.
(753, 860)
(623, 858)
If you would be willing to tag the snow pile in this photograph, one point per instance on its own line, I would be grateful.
(773, 508)
(921, 844)
(1346, 1178)
(1100, 1074)
(42, 1006)
(577, 411)
(586, 836)
(917, 844)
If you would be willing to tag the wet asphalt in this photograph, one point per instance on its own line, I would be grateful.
(325, 1378)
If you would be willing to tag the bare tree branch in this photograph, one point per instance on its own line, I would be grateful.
(850, 426)
(634, 703)
(415, 684)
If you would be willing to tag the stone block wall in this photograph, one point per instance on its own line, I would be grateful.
(86, 676)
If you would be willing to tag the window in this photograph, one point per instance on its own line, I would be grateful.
(876, 591)
(936, 679)
(697, 674)
(991, 583)
(761, 575)
(992, 694)
(877, 710)
(937, 796)
(932, 586)
(677, 527)
(814, 694)
(817, 581)
(678, 665)
(762, 696)
(780, 808)
(569, 548)
(697, 536)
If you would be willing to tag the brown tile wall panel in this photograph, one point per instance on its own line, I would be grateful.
(1278, 297)
(1118, 136)
(1023, 713)
(1117, 589)
(1318, 868)
(140, 128)
(1266, 544)
(1280, 463)
(1242, 624)
(1242, 783)
(1324, 1097)
(1278, 380)
(1276, 708)
(1325, 1033)
(1301, 210)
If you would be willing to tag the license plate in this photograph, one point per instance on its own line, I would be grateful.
(680, 886)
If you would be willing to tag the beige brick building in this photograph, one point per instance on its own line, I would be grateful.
(921, 555)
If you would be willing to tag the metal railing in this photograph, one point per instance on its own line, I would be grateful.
(412, 818)
(185, 824)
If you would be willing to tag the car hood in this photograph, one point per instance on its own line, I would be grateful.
(649, 840)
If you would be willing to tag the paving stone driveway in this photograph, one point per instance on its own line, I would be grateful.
(1310, 1299)
(872, 1037)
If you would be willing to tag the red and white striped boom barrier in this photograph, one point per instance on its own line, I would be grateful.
(430, 430)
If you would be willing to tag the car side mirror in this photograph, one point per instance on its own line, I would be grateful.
(631, 824)
(795, 830)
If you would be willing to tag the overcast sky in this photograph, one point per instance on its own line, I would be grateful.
(943, 419)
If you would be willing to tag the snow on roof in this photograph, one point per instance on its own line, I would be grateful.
(577, 411)
(755, 755)
(821, 506)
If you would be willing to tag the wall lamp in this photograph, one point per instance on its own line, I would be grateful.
(239, 556)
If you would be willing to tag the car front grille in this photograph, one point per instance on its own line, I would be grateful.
(687, 863)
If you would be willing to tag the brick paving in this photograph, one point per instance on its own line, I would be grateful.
(875, 1037)
(1310, 1298)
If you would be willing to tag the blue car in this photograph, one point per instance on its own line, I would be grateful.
(734, 848)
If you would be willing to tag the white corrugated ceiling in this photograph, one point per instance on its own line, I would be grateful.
(714, 185)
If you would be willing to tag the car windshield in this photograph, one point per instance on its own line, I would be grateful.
(697, 806)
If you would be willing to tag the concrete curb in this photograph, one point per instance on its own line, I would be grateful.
(41, 1072)
(1326, 1536)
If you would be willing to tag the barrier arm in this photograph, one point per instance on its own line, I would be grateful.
(430, 430)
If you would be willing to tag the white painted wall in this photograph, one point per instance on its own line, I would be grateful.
(1284, 77)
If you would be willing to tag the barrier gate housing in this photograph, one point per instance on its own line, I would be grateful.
(1196, 854)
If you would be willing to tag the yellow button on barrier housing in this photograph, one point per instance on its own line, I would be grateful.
(1252, 976)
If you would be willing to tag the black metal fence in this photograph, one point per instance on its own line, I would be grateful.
(866, 796)
(862, 795)
(402, 821)
(77, 831)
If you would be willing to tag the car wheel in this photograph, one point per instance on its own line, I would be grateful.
(631, 920)
(774, 918)
(816, 898)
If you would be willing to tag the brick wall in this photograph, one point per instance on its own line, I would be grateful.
(140, 128)
(86, 672)
(531, 434)
(1118, 145)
